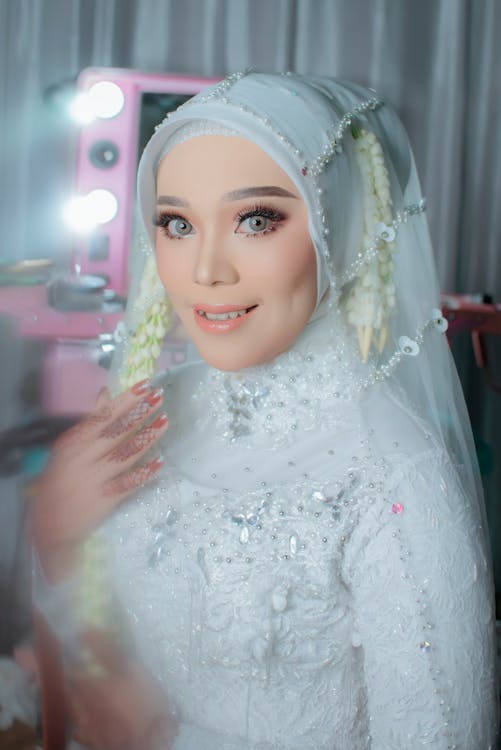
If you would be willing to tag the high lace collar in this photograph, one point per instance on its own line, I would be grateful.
(305, 388)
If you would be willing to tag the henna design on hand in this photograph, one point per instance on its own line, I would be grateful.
(78, 432)
(133, 479)
(133, 447)
(126, 451)
(124, 424)
(140, 441)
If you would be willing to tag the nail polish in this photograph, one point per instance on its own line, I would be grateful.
(155, 396)
(142, 387)
(160, 421)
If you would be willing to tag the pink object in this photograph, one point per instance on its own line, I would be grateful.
(36, 320)
(72, 377)
(107, 158)
(397, 508)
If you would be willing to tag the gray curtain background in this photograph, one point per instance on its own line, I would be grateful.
(436, 61)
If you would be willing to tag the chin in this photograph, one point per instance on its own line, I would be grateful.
(230, 358)
(231, 361)
(233, 358)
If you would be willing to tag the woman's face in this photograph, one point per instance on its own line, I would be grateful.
(233, 250)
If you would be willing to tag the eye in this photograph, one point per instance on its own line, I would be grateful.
(174, 227)
(255, 224)
(260, 220)
(179, 227)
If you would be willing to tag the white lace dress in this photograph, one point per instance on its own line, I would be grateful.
(301, 577)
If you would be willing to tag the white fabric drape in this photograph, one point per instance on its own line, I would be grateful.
(436, 61)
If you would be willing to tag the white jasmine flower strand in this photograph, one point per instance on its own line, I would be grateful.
(372, 297)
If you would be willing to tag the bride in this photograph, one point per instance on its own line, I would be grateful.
(292, 525)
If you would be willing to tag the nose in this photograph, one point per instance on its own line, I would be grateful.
(213, 263)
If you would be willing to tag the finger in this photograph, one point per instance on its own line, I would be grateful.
(126, 454)
(128, 421)
(117, 489)
(126, 400)
(103, 397)
(110, 420)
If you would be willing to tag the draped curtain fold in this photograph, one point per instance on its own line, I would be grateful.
(436, 61)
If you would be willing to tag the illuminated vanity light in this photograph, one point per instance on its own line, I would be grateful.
(107, 99)
(85, 212)
(103, 100)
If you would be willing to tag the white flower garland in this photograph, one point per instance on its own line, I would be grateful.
(371, 299)
(156, 319)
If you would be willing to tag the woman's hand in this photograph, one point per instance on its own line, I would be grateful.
(124, 710)
(95, 465)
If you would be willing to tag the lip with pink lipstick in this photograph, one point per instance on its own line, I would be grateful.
(221, 318)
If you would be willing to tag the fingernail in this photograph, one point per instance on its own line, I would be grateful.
(160, 421)
(155, 396)
(139, 388)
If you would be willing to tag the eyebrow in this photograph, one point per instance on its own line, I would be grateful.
(171, 200)
(233, 195)
(250, 192)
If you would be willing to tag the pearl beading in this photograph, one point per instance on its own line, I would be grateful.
(336, 136)
(363, 258)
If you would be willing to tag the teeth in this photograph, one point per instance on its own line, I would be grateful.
(222, 316)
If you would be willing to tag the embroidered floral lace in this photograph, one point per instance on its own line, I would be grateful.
(306, 581)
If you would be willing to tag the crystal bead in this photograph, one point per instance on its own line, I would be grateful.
(319, 496)
(244, 535)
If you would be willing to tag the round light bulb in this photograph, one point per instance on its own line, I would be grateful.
(85, 212)
(102, 205)
(106, 99)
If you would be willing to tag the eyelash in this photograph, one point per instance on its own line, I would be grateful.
(267, 212)
(163, 220)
